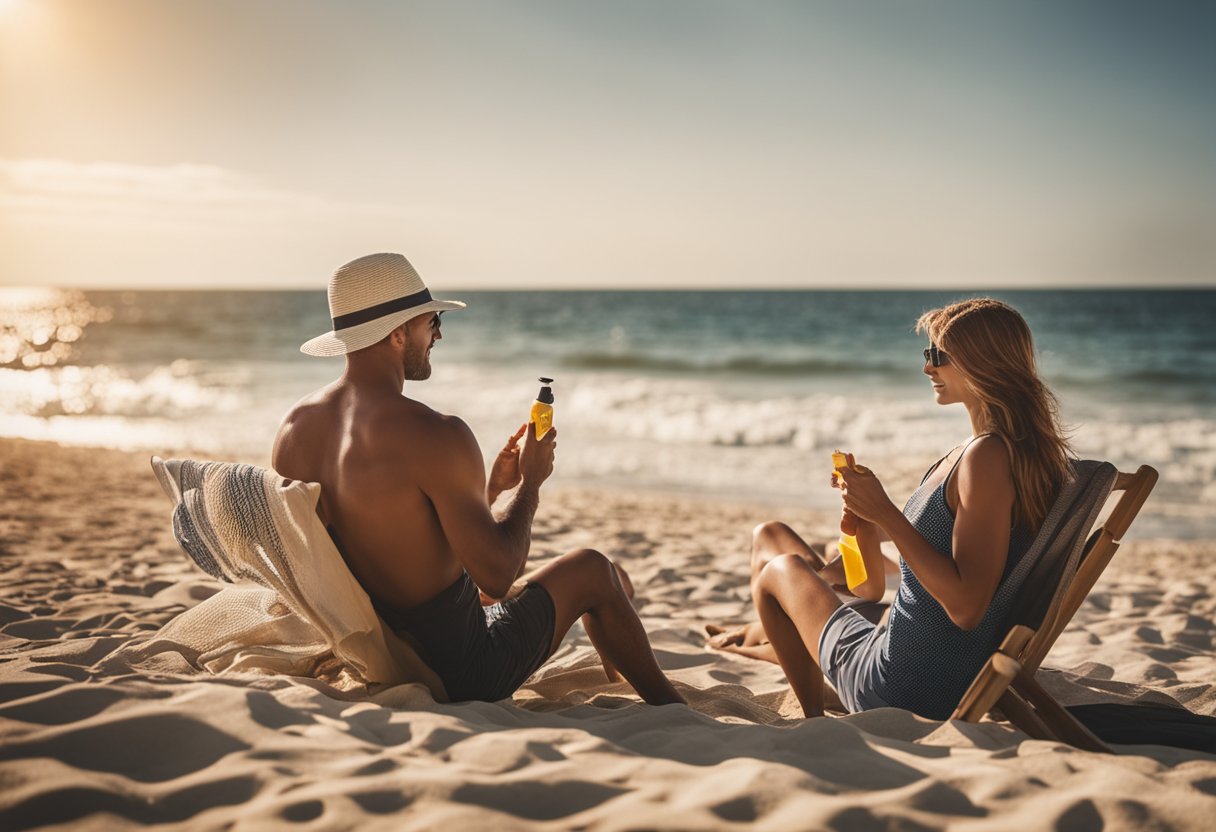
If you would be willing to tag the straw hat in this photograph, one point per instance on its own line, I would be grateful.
(368, 299)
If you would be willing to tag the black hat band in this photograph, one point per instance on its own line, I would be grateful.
(372, 313)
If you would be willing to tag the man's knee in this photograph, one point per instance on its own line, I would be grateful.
(588, 578)
(592, 565)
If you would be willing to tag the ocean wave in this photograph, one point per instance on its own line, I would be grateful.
(1192, 383)
(737, 365)
(707, 414)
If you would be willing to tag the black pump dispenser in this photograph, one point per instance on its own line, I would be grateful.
(546, 392)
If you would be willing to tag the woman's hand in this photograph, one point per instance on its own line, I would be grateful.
(864, 495)
(504, 473)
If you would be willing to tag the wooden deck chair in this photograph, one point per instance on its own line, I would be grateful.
(1007, 679)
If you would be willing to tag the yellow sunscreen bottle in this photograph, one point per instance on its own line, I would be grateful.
(850, 552)
(542, 408)
(854, 566)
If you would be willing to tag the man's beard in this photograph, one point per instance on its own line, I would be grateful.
(417, 364)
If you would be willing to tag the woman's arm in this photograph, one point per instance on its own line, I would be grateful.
(963, 585)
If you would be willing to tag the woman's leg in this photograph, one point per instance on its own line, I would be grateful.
(794, 605)
(776, 538)
(769, 540)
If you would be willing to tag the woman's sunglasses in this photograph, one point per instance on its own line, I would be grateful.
(936, 356)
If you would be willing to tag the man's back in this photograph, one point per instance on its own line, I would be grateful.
(357, 445)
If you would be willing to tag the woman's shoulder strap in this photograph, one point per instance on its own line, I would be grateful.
(967, 445)
(937, 464)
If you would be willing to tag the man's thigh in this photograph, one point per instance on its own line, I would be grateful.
(519, 640)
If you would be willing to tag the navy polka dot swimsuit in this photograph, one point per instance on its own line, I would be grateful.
(924, 661)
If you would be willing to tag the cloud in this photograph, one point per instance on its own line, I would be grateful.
(57, 193)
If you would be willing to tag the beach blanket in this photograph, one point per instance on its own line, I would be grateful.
(293, 606)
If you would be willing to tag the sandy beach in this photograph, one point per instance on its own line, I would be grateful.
(89, 564)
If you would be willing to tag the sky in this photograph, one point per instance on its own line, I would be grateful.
(633, 144)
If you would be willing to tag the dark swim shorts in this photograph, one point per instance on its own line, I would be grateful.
(478, 652)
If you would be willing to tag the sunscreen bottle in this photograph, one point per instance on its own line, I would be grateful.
(542, 408)
(850, 552)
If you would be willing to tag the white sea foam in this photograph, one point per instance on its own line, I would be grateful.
(176, 390)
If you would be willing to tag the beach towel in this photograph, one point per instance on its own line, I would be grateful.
(293, 606)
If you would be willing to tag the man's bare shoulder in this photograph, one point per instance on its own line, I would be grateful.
(296, 439)
(312, 405)
(412, 427)
(419, 447)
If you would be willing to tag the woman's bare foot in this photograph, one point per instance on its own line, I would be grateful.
(763, 652)
(748, 635)
(720, 637)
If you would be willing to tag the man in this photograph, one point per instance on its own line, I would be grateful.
(405, 497)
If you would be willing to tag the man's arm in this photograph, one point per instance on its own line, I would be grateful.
(493, 550)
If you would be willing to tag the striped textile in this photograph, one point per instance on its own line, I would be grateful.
(292, 606)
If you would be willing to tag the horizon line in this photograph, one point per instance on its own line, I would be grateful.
(651, 289)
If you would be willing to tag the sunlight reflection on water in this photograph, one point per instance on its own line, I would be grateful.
(39, 326)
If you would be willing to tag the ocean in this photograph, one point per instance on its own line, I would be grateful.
(723, 394)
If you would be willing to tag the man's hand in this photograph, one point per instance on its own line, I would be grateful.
(504, 473)
(536, 459)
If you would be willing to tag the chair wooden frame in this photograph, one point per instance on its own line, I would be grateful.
(1007, 679)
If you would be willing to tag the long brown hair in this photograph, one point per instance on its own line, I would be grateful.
(990, 345)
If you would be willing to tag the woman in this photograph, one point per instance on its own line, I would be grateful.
(966, 526)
